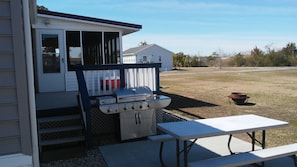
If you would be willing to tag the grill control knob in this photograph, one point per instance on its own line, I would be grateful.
(140, 106)
(133, 107)
(109, 110)
(125, 108)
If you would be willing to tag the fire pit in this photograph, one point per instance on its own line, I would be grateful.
(238, 98)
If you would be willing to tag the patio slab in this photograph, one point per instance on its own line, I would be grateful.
(146, 153)
(17, 160)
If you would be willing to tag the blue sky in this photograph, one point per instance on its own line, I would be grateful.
(196, 27)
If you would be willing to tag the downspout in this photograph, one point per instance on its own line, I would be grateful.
(30, 77)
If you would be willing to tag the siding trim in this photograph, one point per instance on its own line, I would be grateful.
(21, 76)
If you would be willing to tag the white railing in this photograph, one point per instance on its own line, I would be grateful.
(102, 80)
(137, 77)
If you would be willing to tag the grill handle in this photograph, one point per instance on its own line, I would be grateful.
(139, 118)
(136, 118)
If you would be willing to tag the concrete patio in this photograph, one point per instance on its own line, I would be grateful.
(146, 153)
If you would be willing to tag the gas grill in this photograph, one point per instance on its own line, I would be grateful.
(137, 109)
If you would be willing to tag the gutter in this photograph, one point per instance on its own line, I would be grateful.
(30, 77)
(129, 29)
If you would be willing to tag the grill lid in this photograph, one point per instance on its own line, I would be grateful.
(133, 94)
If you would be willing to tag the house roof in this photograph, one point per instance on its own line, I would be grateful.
(140, 48)
(136, 49)
(91, 19)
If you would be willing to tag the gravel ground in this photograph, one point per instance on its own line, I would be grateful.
(93, 158)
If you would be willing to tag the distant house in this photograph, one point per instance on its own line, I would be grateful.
(151, 53)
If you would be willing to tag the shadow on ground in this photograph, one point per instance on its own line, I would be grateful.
(247, 104)
(145, 154)
(179, 102)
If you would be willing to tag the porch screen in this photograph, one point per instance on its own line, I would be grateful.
(86, 47)
(73, 49)
(111, 48)
(92, 47)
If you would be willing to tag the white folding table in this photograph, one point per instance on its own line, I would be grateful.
(187, 130)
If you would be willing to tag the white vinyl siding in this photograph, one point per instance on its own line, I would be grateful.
(9, 139)
(14, 113)
(131, 59)
(151, 54)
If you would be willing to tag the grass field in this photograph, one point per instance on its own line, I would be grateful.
(203, 92)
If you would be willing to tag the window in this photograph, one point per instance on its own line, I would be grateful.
(144, 59)
(50, 53)
(73, 49)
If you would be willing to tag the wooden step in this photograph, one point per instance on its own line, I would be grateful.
(62, 140)
(58, 118)
(60, 129)
(57, 112)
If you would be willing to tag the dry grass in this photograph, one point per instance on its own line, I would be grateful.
(273, 93)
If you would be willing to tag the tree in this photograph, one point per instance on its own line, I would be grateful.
(186, 61)
(239, 60)
(41, 7)
(290, 53)
(256, 58)
(211, 60)
(195, 60)
(143, 43)
(178, 59)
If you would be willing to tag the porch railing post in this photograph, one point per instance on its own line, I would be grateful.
(157, 79)
(122, 76)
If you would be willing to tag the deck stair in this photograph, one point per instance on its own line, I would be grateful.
(60, 130)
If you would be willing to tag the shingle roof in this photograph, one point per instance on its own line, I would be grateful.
(92, 19)
(136, 49)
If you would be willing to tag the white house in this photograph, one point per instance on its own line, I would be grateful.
(151, 53)
(65, 40)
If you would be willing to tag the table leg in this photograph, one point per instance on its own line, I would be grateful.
(161, 155)
(253, 140)
(263, 139)
(294, 159)
(177, 153)
(263, 143)
(185, 154)
(229, 142)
